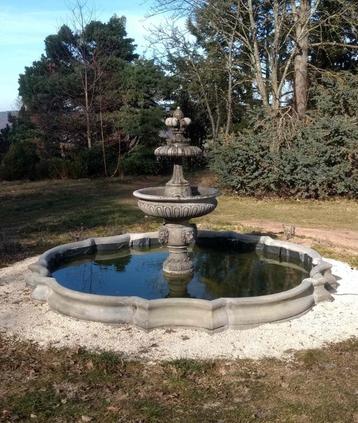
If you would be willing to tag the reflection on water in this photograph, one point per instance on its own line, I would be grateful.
(216, 274)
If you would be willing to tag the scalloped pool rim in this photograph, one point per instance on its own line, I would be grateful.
(211, 315)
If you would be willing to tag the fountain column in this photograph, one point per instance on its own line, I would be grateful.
(178, 234)
(177, 202)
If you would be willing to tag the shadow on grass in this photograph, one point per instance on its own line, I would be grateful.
(35, 219)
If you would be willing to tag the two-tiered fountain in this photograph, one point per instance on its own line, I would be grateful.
(229, 280)
(177, 202)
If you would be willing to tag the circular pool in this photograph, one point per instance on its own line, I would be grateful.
(217, 273)
(238, 281)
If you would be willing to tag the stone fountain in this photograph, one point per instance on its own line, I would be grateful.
(123, 298)
(177, 202)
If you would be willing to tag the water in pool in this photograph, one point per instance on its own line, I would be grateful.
(217, 274)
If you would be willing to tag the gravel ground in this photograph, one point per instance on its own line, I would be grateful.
(22, 317)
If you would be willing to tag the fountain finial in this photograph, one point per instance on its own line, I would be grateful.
(177, 123)
(178, 114)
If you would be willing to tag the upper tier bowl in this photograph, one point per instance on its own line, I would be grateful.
(153, 202)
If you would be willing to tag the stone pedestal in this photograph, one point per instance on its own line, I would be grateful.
(178, 186)
(177, 237)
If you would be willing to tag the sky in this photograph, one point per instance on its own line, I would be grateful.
(24, 25)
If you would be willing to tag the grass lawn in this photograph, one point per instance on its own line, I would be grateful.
(75, 385)
(318, 386)
(333, 214)
(37, 215)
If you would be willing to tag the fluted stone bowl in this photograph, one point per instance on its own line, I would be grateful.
(178, 150)
(153, 202)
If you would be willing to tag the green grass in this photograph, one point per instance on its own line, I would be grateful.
(39, 215)
(35, 216)
(333, 214)
(337, 254)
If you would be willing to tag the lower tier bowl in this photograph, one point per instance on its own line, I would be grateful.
(211, 311)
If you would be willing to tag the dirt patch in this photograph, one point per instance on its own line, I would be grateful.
(347, 239)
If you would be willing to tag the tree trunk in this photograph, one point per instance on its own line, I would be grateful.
(206, 101)
(255, 57)
(229, 107)
(119, 167)
(230, 59)
(274, 57)
(88, 124)
(102, 139)
(301, 58)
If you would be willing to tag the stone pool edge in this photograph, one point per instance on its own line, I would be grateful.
(211, 315)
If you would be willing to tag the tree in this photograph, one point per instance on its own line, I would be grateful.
(66, 78)
(24, 144)
(318, 159)
(127, 105)
(206, 65)
(91, 89)
(275, 39)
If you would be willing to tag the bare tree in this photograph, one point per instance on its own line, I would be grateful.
(81, 17)
(278, 58)
(197, 71)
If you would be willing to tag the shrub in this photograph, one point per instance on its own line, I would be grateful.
(4, 141)
(42, 170)
(315, 158)
(20, 161)
(320, 162)
(243, 164)
(142, 161)
(60, 168)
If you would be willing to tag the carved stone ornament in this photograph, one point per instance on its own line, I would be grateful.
(188, 236)
(178, 263)
(163, 235)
